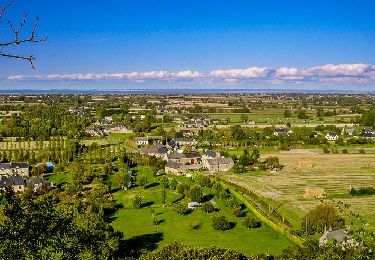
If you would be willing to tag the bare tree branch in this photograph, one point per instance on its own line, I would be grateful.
(17, 38)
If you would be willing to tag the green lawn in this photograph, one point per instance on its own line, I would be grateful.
(193, 229)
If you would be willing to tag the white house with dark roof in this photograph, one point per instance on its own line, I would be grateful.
(331, 136)
(141, 141)
(17, 168)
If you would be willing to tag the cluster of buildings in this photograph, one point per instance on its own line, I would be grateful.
(179, 161)
(17, 176)
(105, 126)
(201, 122)
(367, 133)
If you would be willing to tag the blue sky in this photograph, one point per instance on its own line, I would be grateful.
(214, 44)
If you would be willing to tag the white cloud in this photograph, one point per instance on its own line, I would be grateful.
(253, 72)
(331, 70)
(330, 73)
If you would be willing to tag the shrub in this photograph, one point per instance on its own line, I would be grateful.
(156, 221)
(182, 188)
(238, 212)
(173, 184)
(220, 222)
(345, 150)
(362, 191)
(250, 222)
(232, 202)
(195, 193)
(137, 202)
(181, 209)
(325, 149)
(204, 180)
(207, 207)
(217, 188)
(361, 150)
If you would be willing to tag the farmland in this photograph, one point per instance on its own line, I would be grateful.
(335, 173)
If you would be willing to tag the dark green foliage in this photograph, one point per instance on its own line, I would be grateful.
(195, 193)
(273, 163)
(220, 222)
(362, 191)
(239, 212)
(177, 251)
(323, 216)
(183, 188)
(42, 227)
(250, 222)
(207, 207)
(204, 180)
(137, 202)
(142, 181)
(164, 182)
(182, 209)
(173, 184)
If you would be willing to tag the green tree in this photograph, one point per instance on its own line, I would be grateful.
(142, 181)
(323, 216)
(195, 193)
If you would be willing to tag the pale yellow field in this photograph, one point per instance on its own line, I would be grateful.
(336, 173)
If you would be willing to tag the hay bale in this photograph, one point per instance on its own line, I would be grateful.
(314, 193)
(305, 165)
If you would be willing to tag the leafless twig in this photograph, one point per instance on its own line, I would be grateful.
(17, 38)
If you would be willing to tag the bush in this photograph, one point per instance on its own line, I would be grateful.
(156, 221)
(238, 212)
(250, 222)
(173, 184)
(182, 210)
(362, 150)
(207, 207)
(182, 188)
(204, 180)
(137, 202)
(345, 150)
(362, 191)
(220, 222)
(325, 149)
(232, 202)
(195, 193)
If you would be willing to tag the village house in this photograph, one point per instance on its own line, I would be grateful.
(282, 131)
(221, 164)
(367, 133)
(12, 169)
(185, 158)
(158, 151)
(189, 124)
(94, 132)
(185, 142)
(141, 141)
(347, 131)
(187, 133)
(19, 183)
(331, 136)
(340, 236)
(210, 155)
(117, 129)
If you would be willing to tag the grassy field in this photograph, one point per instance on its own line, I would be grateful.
(193, 229)
(335, 173)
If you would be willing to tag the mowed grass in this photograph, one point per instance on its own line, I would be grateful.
(336, 173)
(193, 229)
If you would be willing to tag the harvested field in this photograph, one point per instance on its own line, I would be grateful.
(334, 173)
